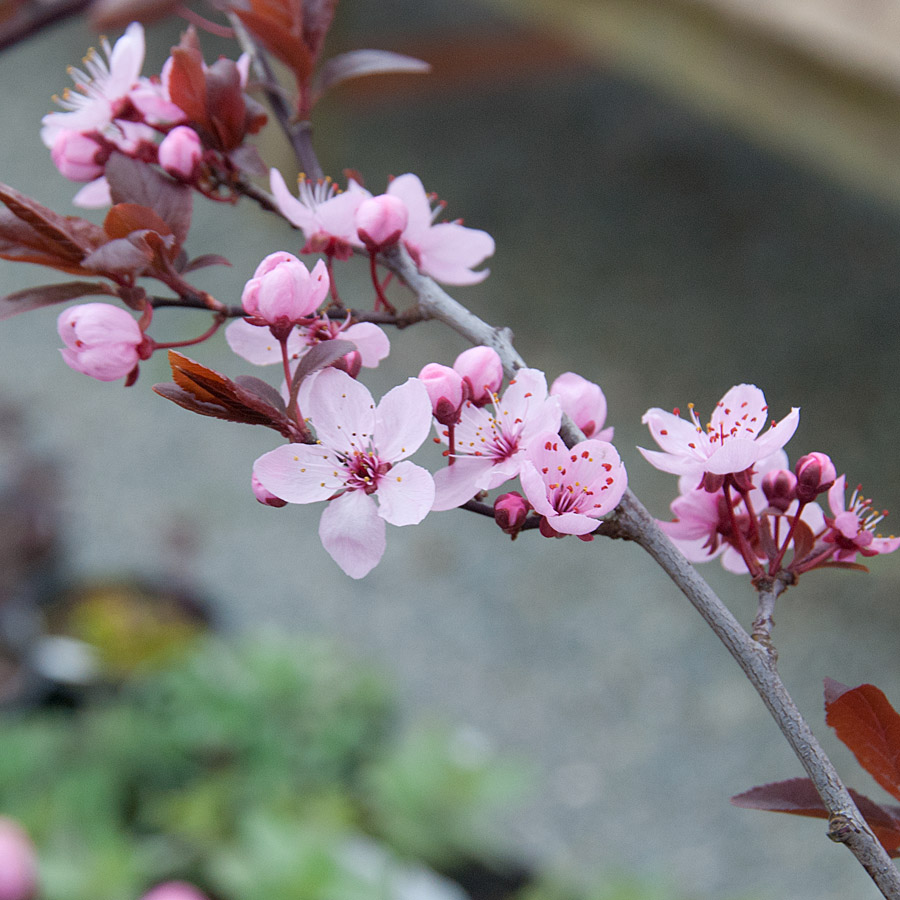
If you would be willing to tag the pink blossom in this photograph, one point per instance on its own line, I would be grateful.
(490, 448)
(584, 403)
(174, 890)
(815, 474)
(447, 251)
(482, 370)
(445, 388)
(94, 195)
(18, 862)
(572, 488)
(283, 291)
(180, 151)
(264, 496)
(325, 215)
(380, 221)
(75, 155)
(360, 454)
(101, 90)
(852, 530)
(101, 340)
(510, 512)
(731, 443)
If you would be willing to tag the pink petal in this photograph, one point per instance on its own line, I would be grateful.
(735, 455)
(410, 190)
(371, 342)
(448, 252)
(353, 533)
(94, 195)
(299, 473)
(454, 485)
(257, 345)
(291, 208)
(675, 435)
(574, 523)
(403, 420)
(342, 411)
(779, 433)
(535, 488)
(744, 408)
(836, 495)
(668, 462)
(405, 494)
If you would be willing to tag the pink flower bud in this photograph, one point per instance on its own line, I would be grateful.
(350, 363)
(180, 151)
(18, 862)
(815, 474)
(174, 890)
(264, 495)
(380, 221)
(584, 403)
(482, 370)
(78, 156)
(102, 341)
(446, 390)
(284, 291)
(780, 488)
(510, 512)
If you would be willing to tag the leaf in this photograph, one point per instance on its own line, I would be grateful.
(804, 540)
(321, 355)
(799, 797)
(121, 256)
(131, 181)
(125, 218)
(187, 84)
(359, 63)
(225, 101)
(278, 28)
(262, 389)
(207, 259)
(867, 723)
(48, 294)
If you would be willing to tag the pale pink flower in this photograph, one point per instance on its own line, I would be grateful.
(75, 155)
(101, 89)
(482, 370)
(852, 530)
(94, 195)
(361, 454)
(284, 291)
(101, 340)
(380, 221)
(489, 448)
(731, 442)
(180, 151)
(447, 251)
(584, 403)
(174, 890)
(18, 862)
(325, 215)
(572, 488)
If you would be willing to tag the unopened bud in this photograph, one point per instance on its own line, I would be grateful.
(482, 369)
(174, 890)
(510, 512)
(815, 474)
(18, 862)
(265, 496)
(380, 221)
(780, 488)
(583, 402)
(350, 363)
(78, 156)
(284, 291)
(180, 151)
(446, 391)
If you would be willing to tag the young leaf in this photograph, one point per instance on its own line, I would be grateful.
(48, 294)
(867, 723)
(358, 63)
(321, 355)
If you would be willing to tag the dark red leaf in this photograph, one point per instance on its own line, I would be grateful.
(798, 796)
(48, 294)
(125, 218)
(119, 257)
(317, 17)
(278, 28)
(225, 101)
(262, 389)
(867, 723)
(187, 83)
(321, 355)
(804, 540)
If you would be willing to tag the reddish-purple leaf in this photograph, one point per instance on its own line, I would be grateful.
(798, 796)
(120, 257)
(125, 218)
(279, 26)
(187, 84)
(359, 63)
(200, 262)
(48, 294)
(804, 540)
(867, 723)
(261, 389)
(319, 356)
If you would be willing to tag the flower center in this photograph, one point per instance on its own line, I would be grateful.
(364, 471)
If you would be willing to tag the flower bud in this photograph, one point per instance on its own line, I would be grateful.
(510, 512)
(180, 151)
(482, 369)
(815, 474)
(174, 890)
(445, 389)
(78, 156)
(102, 341)
(584, 403)
(18, 862)
(264, 495)
(380, 221)
(780, 488)
(350, 363)
(284, 291)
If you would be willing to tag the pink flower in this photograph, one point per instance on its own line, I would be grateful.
(174, 890)
(815, 474)
(446, 251)
(360, 454)
(101, 91)
(490, 449)
(482, 370)
(18, 862)
(326, 216)
(572, 488)
(283, 291)
(445, 388)
(102, 341)
(380, 221)
(76, 154)
(852, 530)
(584, 403)
(510, 512)
(731, 443)
(180, 151)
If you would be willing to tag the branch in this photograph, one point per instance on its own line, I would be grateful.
(846, 825)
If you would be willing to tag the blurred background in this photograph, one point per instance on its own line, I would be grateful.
(685, 194)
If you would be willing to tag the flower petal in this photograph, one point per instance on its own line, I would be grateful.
(405, 494)
(299, 473)
(402, 420)
(257, 345)
(342, 411)
(371, 342)
(353, 533)
(454, 485)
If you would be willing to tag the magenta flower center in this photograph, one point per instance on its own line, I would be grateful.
(364, 470)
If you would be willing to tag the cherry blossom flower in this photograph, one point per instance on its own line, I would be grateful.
(180, 151)
(102, 341)
(361, 454)
(18, 862)
(447, 251)
(482, 370)
(380, 221)
(283, 291)
(572, 488)
(325, 215)
(101, 90)
(489, 448)
(174, 890)
(584, 403)
(852, 530)
(446, 389)
(731, 442)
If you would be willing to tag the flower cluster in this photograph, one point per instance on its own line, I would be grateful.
(738, 499)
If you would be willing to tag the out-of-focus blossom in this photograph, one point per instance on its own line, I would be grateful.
(852, 530)
(380, 221)
(18, 862)
(482, 370)
(180, 151)
(76, 155)
(174, 890)
(584, 403)
(101, 340)
(815, 474)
